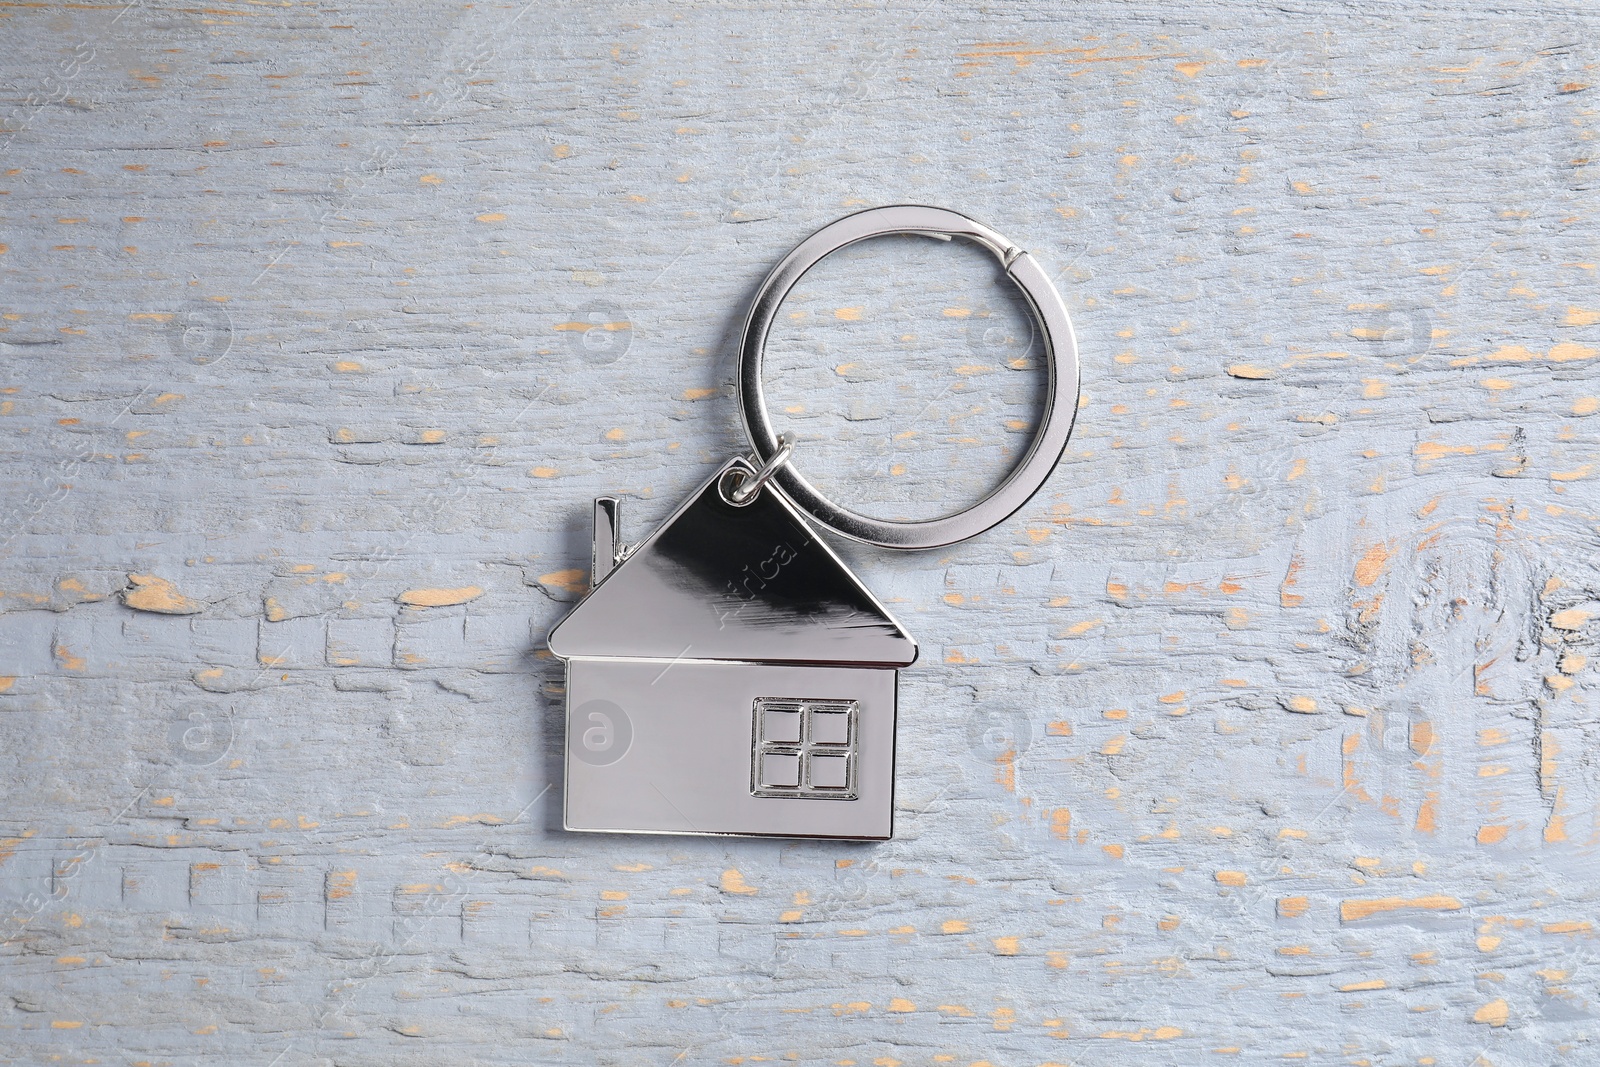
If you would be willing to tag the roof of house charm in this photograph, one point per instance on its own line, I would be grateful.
(724, 582)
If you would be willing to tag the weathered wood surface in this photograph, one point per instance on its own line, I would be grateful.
(1268, 728)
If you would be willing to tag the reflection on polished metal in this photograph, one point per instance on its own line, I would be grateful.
(607, 537)
(720, 581)
(729, 672)
(1061, 365)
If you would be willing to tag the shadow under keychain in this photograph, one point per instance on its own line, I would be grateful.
(729, 674)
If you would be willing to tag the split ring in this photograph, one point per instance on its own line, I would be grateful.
(1060, 360)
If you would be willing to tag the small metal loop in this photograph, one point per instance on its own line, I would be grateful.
(746, 489)
(1060, 360)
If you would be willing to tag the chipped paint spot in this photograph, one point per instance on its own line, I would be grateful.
(8, 845)
(585, 327)
(1249, 371)
(1061, 824)
(733, 882)
(1372, 564)
(440, 598)
(482, 818)
(1565, 352)
(149, 592)
(573, 580)
(1571, 619)
(1356, 910)
(1160, 1033)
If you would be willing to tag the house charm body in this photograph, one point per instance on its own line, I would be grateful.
(730, 675)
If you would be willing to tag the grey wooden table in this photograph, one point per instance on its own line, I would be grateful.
(1267, 732)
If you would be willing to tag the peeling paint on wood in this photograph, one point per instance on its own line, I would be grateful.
(1267, 731)
(149, 592)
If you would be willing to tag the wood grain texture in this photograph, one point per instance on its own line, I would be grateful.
(1267, 729)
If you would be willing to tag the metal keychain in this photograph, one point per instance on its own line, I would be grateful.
(729, 674)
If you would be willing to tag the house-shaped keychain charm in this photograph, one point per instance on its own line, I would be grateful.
(729, 675)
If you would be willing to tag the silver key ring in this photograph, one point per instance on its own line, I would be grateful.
(1061, 367)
